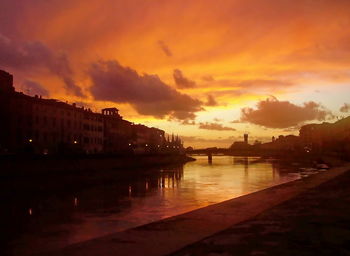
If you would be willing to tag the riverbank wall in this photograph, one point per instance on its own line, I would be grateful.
(171, 234)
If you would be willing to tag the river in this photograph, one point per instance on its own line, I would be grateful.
(50, 221)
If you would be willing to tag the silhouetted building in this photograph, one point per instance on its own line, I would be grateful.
(241, 145)
(6, 89)
(118, 133)
(327, 136)
(45, 126)
(147, 140)
(6, 82)
(49, 126)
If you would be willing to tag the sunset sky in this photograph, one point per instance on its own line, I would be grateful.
(206, 70)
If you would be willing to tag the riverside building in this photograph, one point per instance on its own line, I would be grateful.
(49, 126)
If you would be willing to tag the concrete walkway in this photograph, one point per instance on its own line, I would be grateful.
(316, 222)
(172, 234)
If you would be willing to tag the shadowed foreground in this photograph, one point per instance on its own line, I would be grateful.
(314, 223)
(171, 234)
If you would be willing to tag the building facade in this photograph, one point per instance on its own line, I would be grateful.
(45, 126)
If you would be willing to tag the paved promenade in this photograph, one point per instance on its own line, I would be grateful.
(170, 235)
(316, 222)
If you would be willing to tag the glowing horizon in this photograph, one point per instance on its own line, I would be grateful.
(188, 68)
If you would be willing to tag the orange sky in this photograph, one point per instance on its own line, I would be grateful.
(187, 67)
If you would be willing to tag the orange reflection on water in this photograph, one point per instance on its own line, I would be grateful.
(160, 194)
(75, 202)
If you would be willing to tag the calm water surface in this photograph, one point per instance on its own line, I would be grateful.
(55, 221)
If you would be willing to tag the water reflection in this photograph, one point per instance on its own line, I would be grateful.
(127, 200)
(75, 202)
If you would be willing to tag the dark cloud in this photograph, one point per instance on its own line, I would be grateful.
(165, 48)
(236, 121)
(32, 56)
(211, 101)
(215, 126)
(181, 81)
(272, 113)
(146, 93)
(345, 108)
(35, 88)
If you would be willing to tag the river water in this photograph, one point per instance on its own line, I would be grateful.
(53, 221)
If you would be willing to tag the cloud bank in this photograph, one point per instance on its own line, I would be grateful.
(272, 113)
(146, 93)
(31, 56)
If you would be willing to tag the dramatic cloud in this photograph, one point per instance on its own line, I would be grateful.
(165, 48)
(272, 113)
(146, 93)
(236, 51)
(34, 88)
(215, 126)
(211, 101)
(181, 81)
(33, 55)
(345, 108)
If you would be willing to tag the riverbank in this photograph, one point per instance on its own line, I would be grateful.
(171, 234)
(316, 222)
